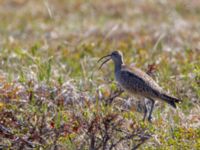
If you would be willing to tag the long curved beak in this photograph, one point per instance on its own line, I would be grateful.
(107, 56)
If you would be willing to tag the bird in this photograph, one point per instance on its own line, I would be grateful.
(138, 83)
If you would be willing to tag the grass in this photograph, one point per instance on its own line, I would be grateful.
(52, 96)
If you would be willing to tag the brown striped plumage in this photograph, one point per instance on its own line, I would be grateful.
(137, 82)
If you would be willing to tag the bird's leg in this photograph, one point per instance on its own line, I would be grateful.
(145, 111)
(151, 109)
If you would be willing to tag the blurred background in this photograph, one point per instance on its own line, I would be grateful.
(62, 28)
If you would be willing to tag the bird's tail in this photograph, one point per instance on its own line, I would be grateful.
(170, 100)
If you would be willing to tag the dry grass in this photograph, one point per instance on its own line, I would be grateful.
(52, 96)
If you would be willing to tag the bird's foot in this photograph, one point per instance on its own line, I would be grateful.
(150, 119)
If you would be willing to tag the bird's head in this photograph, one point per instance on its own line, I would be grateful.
(116, 56)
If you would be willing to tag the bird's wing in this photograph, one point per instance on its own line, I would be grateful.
(144, 79)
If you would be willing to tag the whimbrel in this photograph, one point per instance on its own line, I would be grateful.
(138, 83)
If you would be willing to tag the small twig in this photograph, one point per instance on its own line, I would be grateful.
(5, 130)
(116, 94)
(142, 141)
(92, 142)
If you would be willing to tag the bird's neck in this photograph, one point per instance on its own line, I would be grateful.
(118, 66)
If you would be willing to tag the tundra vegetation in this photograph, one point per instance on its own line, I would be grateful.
(52, 95)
